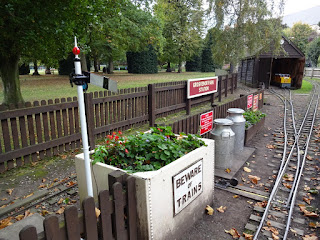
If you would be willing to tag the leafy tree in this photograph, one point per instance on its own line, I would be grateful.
(33, 28)
(244, 27)
(207, 64)
(313, 51)
(194, 64)
(182, 27)
(300, 33)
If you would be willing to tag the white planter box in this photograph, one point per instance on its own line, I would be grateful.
(162, 212)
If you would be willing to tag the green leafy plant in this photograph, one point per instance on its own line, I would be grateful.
(253, 117)
(145, 151)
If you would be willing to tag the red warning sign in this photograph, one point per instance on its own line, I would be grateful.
(249, 101)
(206, 121)
(255, 103)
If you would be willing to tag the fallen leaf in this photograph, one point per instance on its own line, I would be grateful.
(246, 169)
(266, 135)
(60, 201)
(19, 217)
(272, 229)
(269, 223)
(97, 212)
(44, 212)
(235, 196)
(42, 186)
(309, 157)
(28, 195)
(233, 232)
(221, 209)
(4, 199)
(254, 179)
(247, 236)
(9, 191)
(288, 177)
(71, 183)
(314, 224)
(60, 211)
(56, 180)
(306, 212)
(5, 222)
(228, 170)
(287, 185)
(310, 237)
(274, 236)
(269, 146)
(209, 210)
(43, 180)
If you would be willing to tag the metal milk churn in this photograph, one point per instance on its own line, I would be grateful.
(239, 123)
(224, 143)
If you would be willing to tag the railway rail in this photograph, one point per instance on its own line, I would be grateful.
(44, 201)
(281, 205)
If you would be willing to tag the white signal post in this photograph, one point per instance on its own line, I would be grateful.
(83, 122)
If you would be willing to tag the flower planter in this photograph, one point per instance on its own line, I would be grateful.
(253, 129)
(169, 200)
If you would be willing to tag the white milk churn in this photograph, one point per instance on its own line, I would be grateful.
(238, 127)
(224, 142)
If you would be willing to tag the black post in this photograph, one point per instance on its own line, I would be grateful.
(152, 104)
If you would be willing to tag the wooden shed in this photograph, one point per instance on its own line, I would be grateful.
(253, 71)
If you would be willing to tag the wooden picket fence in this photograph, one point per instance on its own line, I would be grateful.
(48, 128)
(117, 219)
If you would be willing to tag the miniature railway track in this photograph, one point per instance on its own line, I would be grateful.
(41, 199)
(276, 218)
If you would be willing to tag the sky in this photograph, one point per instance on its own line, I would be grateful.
(293, 6)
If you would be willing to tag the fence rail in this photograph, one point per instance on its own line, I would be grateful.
(48, 128)
(117, 219)
(312, 72)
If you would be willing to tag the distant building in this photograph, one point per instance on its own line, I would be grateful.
(256, 71)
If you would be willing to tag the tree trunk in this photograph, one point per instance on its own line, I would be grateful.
(169, 67)
(180, 66)
(35, 66)
(84, 66)
(95, 63)
(110, 67)
(9, 71)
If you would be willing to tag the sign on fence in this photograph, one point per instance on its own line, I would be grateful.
(187, 185)
(206, 121)
(249, 101)
(255, 103)
(201, 86)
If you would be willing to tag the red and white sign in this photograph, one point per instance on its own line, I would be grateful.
(202, 86)
(249, 101)
(255, 103)
(206, 121)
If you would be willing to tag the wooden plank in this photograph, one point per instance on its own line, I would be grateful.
(113, 97)
(244, 194)
(59, 125)
(72, 223)
(28, 233)
(38, 128)
(51, 228)
(132, 208)
(53, 127)
(90, 219)
(118, 219)
(102, 114)
(220, 87)
(31, 132)
(76, 121)
(96, 113)
(46, 131)
(151, 105)
(105, 215)
(71, 122)
(65, 124)
(24, 137)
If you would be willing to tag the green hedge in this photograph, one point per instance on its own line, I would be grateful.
(143, 62)
(194, 65)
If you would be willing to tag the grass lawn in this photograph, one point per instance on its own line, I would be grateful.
(46, 87)
(306, 85)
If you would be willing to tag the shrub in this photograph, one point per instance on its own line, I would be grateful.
(253, 117)
(145, 151)
(194, 65)
(142, 62)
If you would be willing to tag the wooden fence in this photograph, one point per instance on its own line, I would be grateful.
(117, 219)
(191, 124)
(312, 72)
(45, 129)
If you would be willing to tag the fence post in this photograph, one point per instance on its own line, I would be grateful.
(220, 87)
(236, 80)
(89, 108)
(232, 82)
(212, 99)
(152, 104)
(226, 86)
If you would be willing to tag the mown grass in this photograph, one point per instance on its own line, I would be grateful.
(46, 87)
(306, 85)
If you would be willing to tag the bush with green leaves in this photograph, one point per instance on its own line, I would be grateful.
(145, 151)
(253, 117)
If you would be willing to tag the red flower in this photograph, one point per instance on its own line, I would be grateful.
(114, 133)
(110, 137)
(107, 141)
(120, 132)
(126, 151)
(116, 138)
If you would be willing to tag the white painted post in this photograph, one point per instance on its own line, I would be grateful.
(83, 122)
